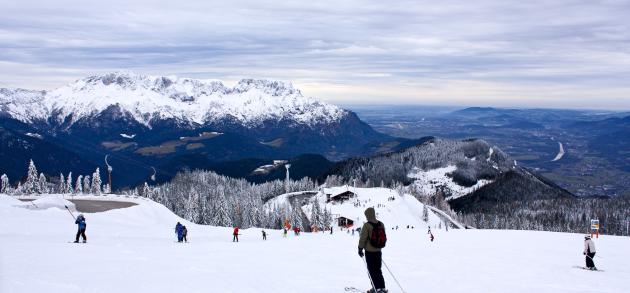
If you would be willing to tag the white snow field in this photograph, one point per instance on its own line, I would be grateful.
(134, 250)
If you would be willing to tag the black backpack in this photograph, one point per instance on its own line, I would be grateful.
(378, 238)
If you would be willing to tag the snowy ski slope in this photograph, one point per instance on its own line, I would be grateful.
(134, 250)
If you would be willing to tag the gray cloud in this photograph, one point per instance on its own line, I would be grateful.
(560, 53)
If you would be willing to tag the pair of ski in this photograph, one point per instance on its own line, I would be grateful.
(356, 290)
(587, 269)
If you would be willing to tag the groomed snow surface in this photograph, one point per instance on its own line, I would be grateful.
(134, 250)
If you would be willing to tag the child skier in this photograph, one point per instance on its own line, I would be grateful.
(184, 233)
(264, 235)
(373, 239)
(80, 221)
(179, 230)
(235, 235)
(589, 251)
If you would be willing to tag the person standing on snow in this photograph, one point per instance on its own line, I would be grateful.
(179, 230)
(80, 221)
(589, 251)
(264, 235)
(235, 235)
(373, 239)
(184, 233)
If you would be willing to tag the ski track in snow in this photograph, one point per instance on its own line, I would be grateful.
(133, 250)
(560, 152)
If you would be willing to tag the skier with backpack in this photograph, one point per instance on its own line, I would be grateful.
(179, 230)
(372, 240)
(80, 221)
(589, 251)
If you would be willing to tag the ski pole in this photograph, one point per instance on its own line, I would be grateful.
(390, 272)
(70, 212)
(369, 276)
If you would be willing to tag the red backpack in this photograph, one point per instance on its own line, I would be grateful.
(378, 238)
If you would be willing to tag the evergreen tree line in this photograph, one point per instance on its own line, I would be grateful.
(558, 215)
(205, 197)
(38, 183)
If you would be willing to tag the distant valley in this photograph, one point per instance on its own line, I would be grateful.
(596, 144)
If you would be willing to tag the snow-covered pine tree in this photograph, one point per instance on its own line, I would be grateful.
(246, 215)
(43, 184)
(68, 186)
(86, 184)
(192, 207)
(19, 189)
(146, 190)
(256, 215)
(78, 186)
(5, 186)
(326, 218)
(296, 217)
(222, 214)
(31, 185)
(425, 213)
(96, 182)
(61, 187)
(316, 214)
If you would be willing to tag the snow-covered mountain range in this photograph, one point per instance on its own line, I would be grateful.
(150, 98)
(170, 123)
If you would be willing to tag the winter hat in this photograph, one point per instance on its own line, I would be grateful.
(587, 237)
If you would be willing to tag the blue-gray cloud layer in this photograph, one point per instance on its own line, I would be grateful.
(559, 53)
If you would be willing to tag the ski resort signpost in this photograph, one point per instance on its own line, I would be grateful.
(595, 228)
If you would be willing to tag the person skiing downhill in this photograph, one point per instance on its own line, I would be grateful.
(235, 235)
(589, 252)
(80, 221)
(373, 256)
(179, 230)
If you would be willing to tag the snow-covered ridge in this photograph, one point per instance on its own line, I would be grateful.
(249, 102)
(430, 182)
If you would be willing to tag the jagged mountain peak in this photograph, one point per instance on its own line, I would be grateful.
(149, 98)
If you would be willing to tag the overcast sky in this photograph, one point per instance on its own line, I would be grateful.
(560, 53)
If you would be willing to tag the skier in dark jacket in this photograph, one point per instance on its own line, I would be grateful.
(589, 251)
(80, 221)
(185, 233)
(179, 230)
(264, 235)
(373, 255)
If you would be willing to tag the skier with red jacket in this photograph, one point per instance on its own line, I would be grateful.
(235, 238)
